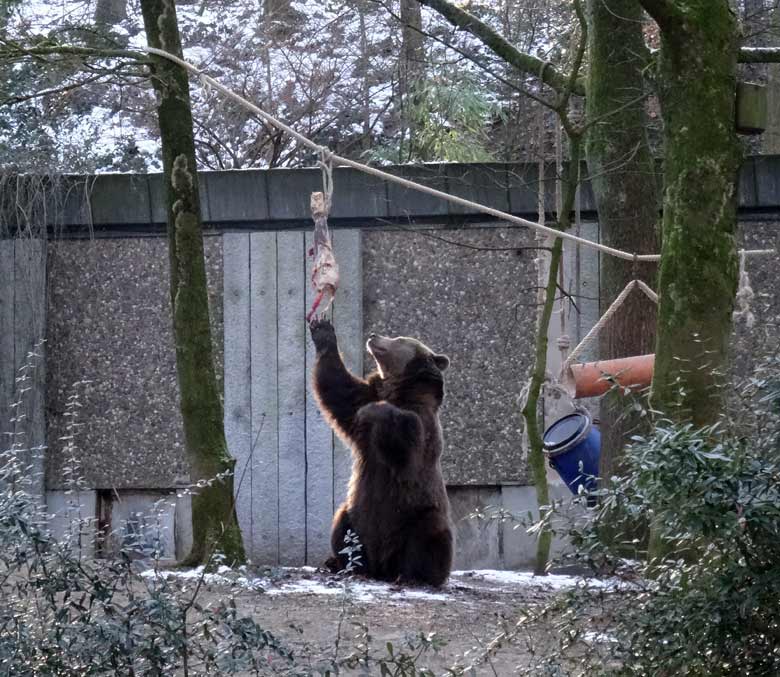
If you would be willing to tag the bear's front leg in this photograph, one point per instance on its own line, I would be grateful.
(339, 393)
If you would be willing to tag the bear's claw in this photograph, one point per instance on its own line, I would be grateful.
(322, 334)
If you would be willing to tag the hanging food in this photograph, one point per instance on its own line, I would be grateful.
(325, 272)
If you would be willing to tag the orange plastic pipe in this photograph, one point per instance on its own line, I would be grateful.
(596, 378)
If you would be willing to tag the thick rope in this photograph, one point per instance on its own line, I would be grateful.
(326, 165)
(605, 318)
(209, 82)
(564, 342)
(744, 297)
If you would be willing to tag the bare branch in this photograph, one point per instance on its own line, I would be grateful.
(525, 63)
(600, 118)
(465, 245)
(579, 56)
(10, 50)
(21, 98)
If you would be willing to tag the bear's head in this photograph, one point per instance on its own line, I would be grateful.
(405, 360)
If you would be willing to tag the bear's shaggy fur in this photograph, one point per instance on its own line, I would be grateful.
(397, 503)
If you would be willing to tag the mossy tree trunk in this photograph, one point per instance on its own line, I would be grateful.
(622, 174)
(536, 457)
(214, 522)
(699, 269)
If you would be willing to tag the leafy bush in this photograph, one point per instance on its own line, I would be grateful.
(63, 614)
(707, 603)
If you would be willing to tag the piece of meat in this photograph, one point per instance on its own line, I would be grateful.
(325, 272)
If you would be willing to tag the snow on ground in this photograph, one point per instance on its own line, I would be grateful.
(511, 581)
(599, 638)
(308, 581)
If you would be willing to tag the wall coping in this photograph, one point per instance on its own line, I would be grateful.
(114, 205)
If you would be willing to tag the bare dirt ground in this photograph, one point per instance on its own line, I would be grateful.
(310, 609)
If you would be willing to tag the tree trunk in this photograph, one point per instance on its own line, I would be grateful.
(536, 458)
(623, 178)
(214, 522)
(110, 12)
(366, 76)
(699, 269)
(411, 71)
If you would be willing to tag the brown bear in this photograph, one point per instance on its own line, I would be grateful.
(397, 503)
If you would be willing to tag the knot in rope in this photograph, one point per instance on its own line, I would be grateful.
(564, 342)
(326, 155)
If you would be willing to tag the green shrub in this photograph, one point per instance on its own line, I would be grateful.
(710, 604)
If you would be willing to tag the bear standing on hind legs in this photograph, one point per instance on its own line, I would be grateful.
(397, 502)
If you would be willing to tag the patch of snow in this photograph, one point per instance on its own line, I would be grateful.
(305, 587)
(360, 590)
(516, 580)
(366, 592)
(197, 55)
(150, 146)
(599, 638)
(369, 592)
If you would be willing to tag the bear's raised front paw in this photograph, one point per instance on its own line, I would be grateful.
(323, 334)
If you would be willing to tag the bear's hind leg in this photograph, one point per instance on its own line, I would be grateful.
(339, 561)
(428, 555)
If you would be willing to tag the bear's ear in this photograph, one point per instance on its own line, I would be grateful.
(441, 361)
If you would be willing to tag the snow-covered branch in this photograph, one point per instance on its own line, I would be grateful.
(13, 50)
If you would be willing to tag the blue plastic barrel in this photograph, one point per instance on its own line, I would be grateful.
(573, 446)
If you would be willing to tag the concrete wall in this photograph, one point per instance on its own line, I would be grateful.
(74, 518)
(753, 344)
(490, 543)
(469, 294)
(109, 330)
(23, 353)
(101, 522)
